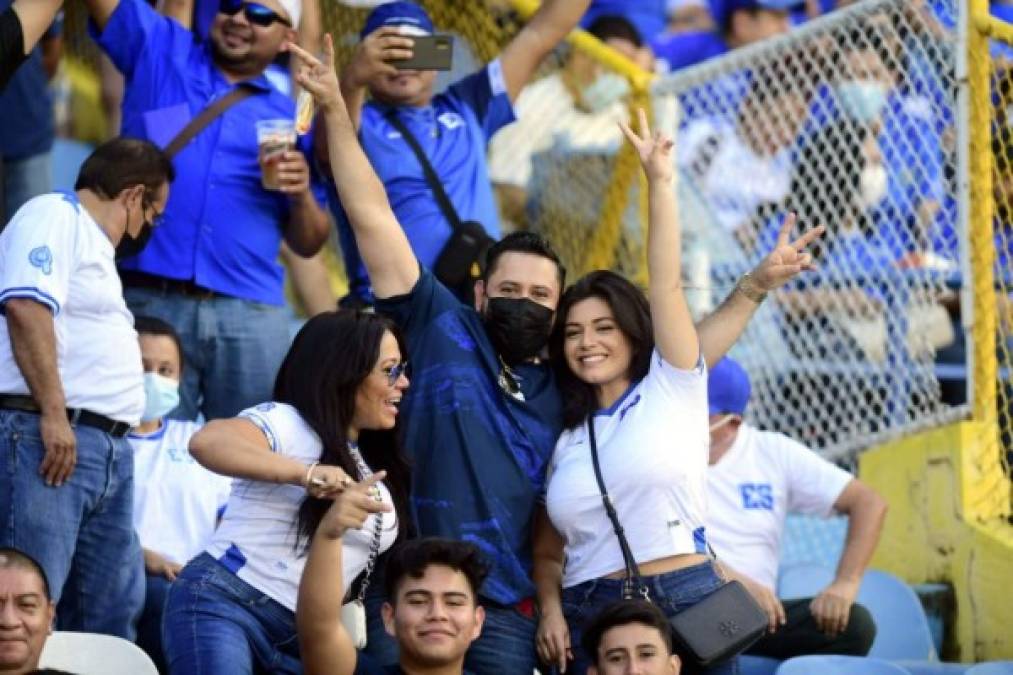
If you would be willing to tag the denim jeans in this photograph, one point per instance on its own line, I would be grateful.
(82, 533)
(506, 645)
(672, 592)
(232, 348)
(149, 628)
(24, 179)
(217, 624)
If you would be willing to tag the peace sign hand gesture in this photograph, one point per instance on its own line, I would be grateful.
(655, 149)
(788, 259)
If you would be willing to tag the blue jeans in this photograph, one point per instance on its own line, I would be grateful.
(506, 645)
(217, 624)
(149, 628)
(672, 592)
(24, 179)
(82, 533)
(232, 348)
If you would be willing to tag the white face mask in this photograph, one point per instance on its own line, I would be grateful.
(161, 396)
(606, 89)
(873, 185)
(862, 100)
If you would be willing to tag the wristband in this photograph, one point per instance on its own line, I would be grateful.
(309, 474)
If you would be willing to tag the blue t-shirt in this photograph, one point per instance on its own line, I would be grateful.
(221, 229)
(478, 455)
(681, 50)
(453, 130)
(27, 105)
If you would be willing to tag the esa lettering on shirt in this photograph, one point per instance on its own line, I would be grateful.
(757, 496)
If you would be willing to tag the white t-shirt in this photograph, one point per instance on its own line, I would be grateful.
(176, 500)
(257, 536)
(652, 447)
(53, 252)
(737, 179)
(762, 477)
(546, 111)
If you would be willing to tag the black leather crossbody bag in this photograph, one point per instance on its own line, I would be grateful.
(720, 626)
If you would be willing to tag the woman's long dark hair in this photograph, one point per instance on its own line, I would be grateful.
(633, 316)
(331, 356)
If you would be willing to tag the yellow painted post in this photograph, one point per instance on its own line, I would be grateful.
(982, 210)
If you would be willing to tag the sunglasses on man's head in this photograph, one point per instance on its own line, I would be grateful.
(255, 12)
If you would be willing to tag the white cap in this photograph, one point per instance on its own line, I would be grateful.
(294, 10)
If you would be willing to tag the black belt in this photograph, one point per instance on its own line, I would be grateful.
(75, 415)
(187, 287)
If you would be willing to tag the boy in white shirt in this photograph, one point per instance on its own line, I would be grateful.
(754, 480)
(177, 501)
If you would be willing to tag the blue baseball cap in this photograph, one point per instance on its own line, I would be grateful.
(722, 10)
(398, 13)
(727, 388)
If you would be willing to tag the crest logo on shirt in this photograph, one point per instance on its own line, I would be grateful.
(265, 407)
(42, 258)
(450, 120)
(757, 496)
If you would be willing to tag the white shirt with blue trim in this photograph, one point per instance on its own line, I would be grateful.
(762, 477)
(176, 500)
(256, 538)
(54, 253)
(652, 447)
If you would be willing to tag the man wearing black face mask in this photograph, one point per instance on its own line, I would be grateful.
(483, 412)
(71, 383)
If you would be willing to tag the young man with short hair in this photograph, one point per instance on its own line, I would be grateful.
(26, 612)
(431, 609)
(630, 636)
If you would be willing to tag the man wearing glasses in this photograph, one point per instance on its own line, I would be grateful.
(72, 386)
(211, 270)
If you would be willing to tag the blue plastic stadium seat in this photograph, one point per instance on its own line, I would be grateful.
(991, 668)
(838, 665)
(757, 665)
(902, 631)
(932, 667)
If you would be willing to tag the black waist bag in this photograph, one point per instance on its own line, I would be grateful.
(725, 623)
(462, 259)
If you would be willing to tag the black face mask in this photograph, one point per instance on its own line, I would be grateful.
(518, 327)
(131, 246)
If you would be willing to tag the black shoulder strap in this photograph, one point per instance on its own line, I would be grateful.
(449, 212)
(206, 117)
(633, 582)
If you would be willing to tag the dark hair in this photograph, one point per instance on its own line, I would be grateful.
(523, 242)
(122, 163)
(607, 27)
(151, 325)
(11, 558)
(622, 613)
(331, 356)
(633, 316)
(828, 177)
(411, 559)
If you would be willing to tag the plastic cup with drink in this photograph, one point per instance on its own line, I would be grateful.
(274, 139)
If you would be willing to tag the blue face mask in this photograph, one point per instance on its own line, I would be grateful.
(862, 100)
(161, 396)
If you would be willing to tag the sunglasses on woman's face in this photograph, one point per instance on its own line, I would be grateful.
(394, 373)
(255, 12)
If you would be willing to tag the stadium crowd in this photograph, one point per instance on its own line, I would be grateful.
(431, 477)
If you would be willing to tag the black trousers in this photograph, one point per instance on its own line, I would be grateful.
(800, 635)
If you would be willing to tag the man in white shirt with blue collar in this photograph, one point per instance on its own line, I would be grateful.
(71, 384)
(754, 480)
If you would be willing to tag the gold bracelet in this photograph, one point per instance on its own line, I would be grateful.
(749, 288)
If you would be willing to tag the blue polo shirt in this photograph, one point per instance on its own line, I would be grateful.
(221, 228)
(478, 454)
(453, 130)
